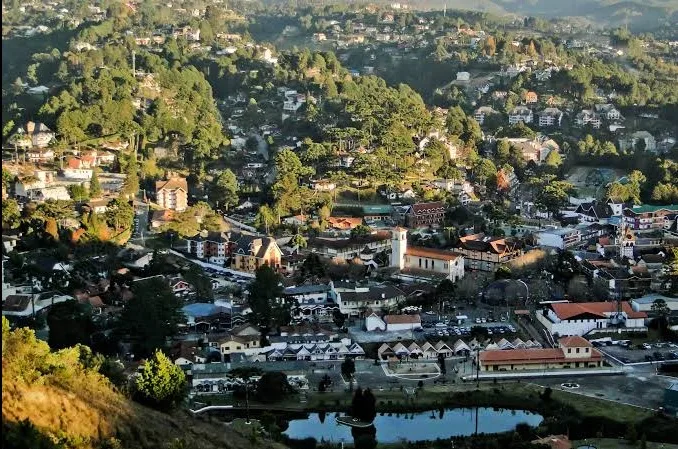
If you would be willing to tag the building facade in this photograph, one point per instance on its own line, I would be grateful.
(172, 194)
(405, 257)
(486, 253)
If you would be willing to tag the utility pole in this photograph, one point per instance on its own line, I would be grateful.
(247, 401)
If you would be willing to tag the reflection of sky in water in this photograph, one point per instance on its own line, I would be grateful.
(416, 426)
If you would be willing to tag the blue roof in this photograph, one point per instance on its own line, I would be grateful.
(199, 309)
(302, 289)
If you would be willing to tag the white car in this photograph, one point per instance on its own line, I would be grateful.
(647, 346)
(478, 321)
(489, 332)
(483, 320)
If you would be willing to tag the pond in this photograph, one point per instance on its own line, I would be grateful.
(416, 426)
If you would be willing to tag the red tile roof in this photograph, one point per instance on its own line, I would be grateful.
(402, 319)
(575, 341)
(431, 253)
(532, 356)
(565, 311)
(172, 184)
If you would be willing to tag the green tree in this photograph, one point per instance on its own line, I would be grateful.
(269, 309)
(161, 383)
(151, 316)
(554, 159)
(299, 241)
(199, 281)
(11, 214)
(348, 368)
(631, 433)
(70, 323)
(662, 311)
(225, 189)
(94, 186)
(273, 387)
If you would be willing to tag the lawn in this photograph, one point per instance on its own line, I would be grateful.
(610, 443)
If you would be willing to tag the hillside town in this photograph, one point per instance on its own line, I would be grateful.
(178, 180)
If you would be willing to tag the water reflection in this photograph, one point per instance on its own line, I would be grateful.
(429, 425)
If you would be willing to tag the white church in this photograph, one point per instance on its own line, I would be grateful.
(416, 258)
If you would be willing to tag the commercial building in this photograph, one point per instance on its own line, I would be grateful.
(572, 352)
(564, 319)
(560, 238)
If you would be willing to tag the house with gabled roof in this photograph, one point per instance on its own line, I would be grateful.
(428, 351)
(172, 194)
(487, 253)
(442, 348)
(414, 350)
(564, 319)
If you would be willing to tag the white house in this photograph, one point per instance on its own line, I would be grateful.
(463, 76)
(374, 322)
(520, 114)
(84, 174)
(550, 117)
(560, 238)
(396, 323)
(566, 319)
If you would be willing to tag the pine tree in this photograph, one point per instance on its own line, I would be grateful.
(161, 383)
(94, 186)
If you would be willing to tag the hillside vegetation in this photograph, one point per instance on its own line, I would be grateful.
(59, 400)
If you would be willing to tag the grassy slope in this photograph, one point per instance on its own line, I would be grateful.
(80, 408)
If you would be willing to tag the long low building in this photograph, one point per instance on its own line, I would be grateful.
(563, 319)
(572, 352)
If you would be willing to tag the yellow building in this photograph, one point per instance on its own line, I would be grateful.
(234, 344)
(250, 252)
(572, 352)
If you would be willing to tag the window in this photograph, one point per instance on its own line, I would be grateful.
(420, 262)
(577, 350)
(569, 350)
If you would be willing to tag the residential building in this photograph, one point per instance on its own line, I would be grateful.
(81, 174)
(561, 238)
(565, 319)
(317, 301)
(637, 140)
(349, 248)
(249, 252)
(587, 117)
(520, 114)
(39, 133)
(425, 214)
(608, 112)
(355, 299)
(412, 258)
(572, 352)
(40, 155)
(209, 245)
(344, 223)
(172, 194)
(482, 112)
(531, 97)
(650, 217)
(536, 150)
(378, 212)
(594, 212)
(486, 253)
(247, 344)
(550, 117)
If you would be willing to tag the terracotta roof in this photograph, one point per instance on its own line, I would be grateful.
(575, 341)
(565, 311)
(555, 442)
(402, 319)
(532, 356)
(431, 253)
(172, 184)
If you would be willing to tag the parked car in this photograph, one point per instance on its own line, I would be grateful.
(647, 346)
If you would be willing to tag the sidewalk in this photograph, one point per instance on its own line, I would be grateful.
(550, 373)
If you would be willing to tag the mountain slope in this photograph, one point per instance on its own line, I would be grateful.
(77, 407)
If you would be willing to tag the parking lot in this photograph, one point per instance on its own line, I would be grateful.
(650, 352)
